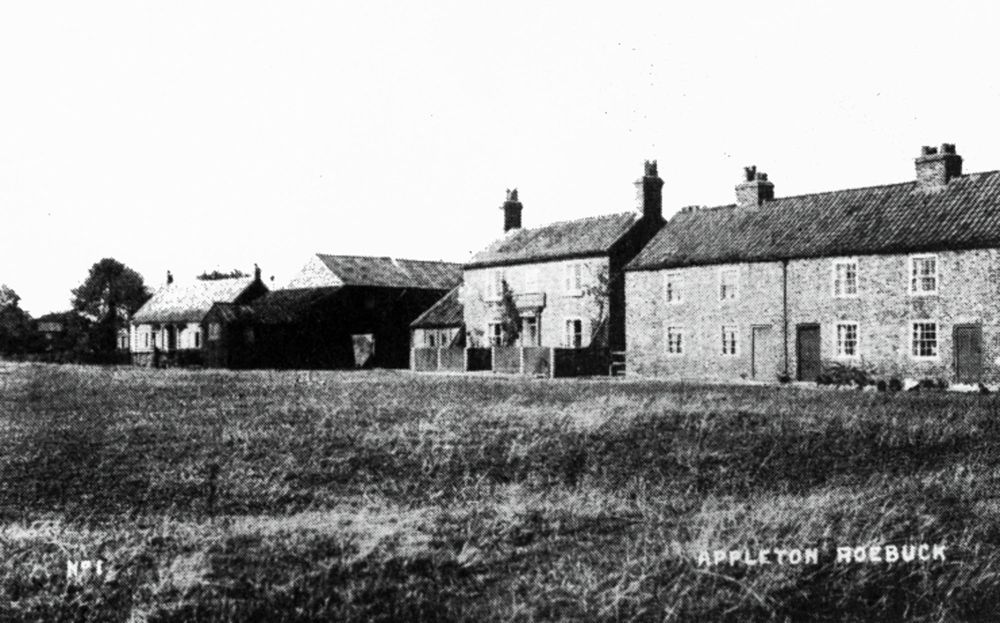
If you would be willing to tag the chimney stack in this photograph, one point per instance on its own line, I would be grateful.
(170, 278)
(256, 272)
(511, 211)
(755, 190)
(935, 168)
(652, 193)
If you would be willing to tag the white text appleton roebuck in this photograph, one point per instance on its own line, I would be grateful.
(811, 555)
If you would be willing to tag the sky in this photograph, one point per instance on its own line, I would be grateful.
(193, 136)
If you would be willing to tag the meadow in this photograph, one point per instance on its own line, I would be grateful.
(389, 496)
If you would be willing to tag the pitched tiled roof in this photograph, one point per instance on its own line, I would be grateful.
(189, 302)
(284, 306)
(386, 272)
(896, 218)
(563, 240)
(447, 312)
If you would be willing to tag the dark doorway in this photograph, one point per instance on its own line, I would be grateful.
(808, 352)
(171, 338)
(968, 353)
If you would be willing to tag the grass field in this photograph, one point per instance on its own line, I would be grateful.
(299, 496)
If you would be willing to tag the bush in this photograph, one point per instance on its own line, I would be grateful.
(784, 378)
(895, 385)
(841, 374)
(881, 385)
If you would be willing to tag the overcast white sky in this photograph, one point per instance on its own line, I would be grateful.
(200, 135)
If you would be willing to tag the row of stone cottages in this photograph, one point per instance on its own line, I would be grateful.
(901, 280)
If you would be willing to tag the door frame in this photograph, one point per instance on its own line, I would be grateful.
(978, 328)
(798, 346)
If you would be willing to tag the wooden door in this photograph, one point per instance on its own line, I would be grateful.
(968, 353)
(808, 352)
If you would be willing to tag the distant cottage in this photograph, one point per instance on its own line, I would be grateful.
(168, 330)
(901, 280)
(338, 311)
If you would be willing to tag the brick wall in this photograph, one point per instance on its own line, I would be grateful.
(559, 304)
(968, 289)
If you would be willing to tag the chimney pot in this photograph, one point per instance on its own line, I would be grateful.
(511, 211)
(652, 193)
(170, 278)
(753, 192)
(936, 168)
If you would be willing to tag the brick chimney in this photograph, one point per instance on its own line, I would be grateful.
(936, 167)
(755, 190)
(256, 272)
(511, 211)
(170, 278)
(652, 193)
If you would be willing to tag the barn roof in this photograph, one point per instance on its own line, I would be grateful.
(387, 272)
(284, 306)
(894, 218)
(447, 312)
(583, 237)
(189, 302)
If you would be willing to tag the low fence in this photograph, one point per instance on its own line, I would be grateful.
(507, 359)
(529, 360)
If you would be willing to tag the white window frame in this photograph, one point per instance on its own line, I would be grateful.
(914, 291)
(673, 288)
(735, 341)
(736, 289)
(573, 279)
(567, 339)
(834, 282)
(494, 284)
(837, 343)
(911, 341)
(672, 330)
(494, 340)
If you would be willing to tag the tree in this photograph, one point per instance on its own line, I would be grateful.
(215, 274)
(111, 293)
(600, 294)
(510, 318)
(15, 323)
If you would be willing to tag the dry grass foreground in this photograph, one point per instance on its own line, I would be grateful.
(302, 496)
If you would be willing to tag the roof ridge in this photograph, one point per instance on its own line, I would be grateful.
(838, 190)
(580, 220)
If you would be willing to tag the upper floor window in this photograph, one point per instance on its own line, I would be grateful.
(675, 341)
(924, 344)
(574, 333)
(845, 278)
(923, 274)
(574, 278)
(494, 285)
(214, 331)
(727, 284)
(729, 342)
(847, 339)
(673, 288)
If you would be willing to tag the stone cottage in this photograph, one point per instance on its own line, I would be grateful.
(900, 280)
(565, 281)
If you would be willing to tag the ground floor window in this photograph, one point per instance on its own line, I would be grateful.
(925, 339)
(574, 333)
(729, 340)
(494, 333)
(675, 341)
(847, 339)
